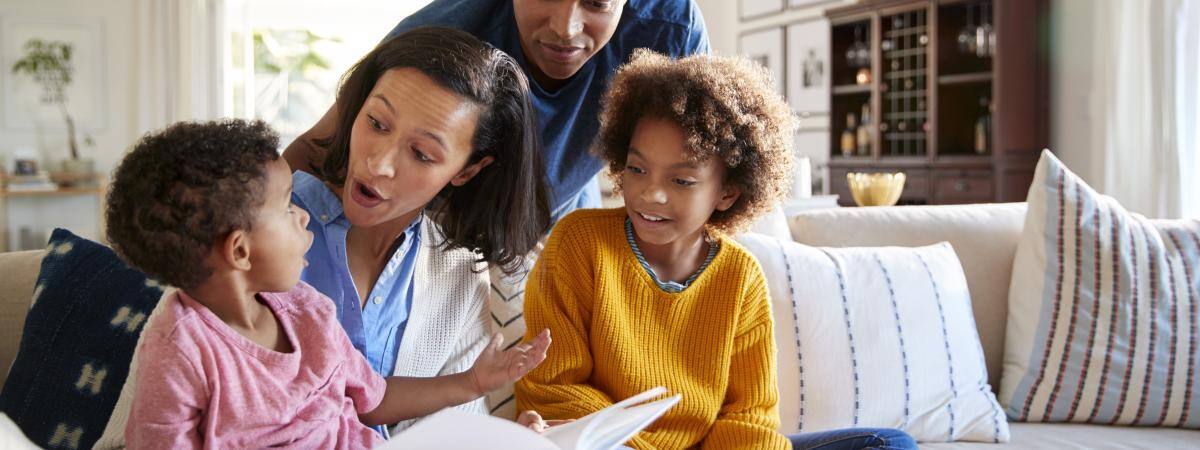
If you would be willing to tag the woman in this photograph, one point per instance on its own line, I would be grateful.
(431, 167)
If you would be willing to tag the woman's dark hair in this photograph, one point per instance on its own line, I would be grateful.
(182, 189)
(504, 210)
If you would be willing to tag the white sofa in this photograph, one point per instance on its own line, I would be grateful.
(985, 239)
(984, 236)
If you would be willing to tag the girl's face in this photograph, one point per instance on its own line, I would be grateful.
(411, 137)
(668, 196)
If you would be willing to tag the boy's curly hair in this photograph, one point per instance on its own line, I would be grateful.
(727, 109)
(184, 188)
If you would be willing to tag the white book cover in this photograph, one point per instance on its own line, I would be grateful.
(602, 430)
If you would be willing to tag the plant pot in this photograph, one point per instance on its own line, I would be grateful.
(76, 172)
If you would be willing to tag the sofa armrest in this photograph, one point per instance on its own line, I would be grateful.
(19, 273)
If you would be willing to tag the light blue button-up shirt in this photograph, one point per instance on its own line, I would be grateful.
(377, 326)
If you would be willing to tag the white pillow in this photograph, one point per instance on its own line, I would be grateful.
(877, 337)
(11, 437)
(1102, 315)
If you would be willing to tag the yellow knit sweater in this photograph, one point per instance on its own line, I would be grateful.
(617, 334)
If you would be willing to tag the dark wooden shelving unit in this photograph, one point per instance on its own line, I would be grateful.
(926, 93)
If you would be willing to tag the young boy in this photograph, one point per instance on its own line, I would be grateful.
(656, 293)
(245, 355)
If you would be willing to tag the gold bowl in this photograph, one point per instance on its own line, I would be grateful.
(876, 189)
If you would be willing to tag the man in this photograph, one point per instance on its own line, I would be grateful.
(568, 49)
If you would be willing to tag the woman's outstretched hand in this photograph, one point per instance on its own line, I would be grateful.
(496, 367)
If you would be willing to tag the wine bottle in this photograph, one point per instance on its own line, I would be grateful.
(848, 146)
(864, 132)
(982, 125)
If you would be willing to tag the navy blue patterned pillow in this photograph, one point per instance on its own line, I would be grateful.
(87, 313)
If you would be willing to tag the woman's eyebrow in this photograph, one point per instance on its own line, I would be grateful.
(385, 102)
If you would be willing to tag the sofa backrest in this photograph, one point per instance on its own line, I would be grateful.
(984, 236)
(19, 271)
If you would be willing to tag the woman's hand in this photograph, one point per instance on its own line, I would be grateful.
(533, 421)
(496, 367)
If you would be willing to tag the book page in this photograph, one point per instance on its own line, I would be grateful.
(458, 430)
(614, 425)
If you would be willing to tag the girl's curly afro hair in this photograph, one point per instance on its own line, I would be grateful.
(727, 109)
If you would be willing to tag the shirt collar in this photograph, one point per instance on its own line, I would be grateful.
(323, 206)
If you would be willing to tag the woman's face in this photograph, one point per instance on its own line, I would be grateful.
(411, 137)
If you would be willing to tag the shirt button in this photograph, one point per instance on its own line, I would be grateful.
(324, 217)
(378, 300)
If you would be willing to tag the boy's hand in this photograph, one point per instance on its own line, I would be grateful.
(496, 367)
(533, 421)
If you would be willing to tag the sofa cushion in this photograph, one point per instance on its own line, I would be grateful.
(87, 313)
(20, 270)
(1102, 324)
(877, 337)
(1046, 436)
(983, 236)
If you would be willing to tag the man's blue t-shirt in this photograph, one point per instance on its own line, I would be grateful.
(568, 117)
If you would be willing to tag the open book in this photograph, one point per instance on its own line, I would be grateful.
(601, 430)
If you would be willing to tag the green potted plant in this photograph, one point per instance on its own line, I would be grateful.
(49, 64)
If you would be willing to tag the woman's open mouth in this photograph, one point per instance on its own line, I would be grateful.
(364, 195)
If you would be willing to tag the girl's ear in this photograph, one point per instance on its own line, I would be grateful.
(729, 196)
(470, 171)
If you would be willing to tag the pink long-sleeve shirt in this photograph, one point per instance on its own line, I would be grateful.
(203, 385)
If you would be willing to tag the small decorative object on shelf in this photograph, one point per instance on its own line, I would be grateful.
(983, 127)
(876, 189)
(863, 76)
(864, 132)
(848, 145)
(39, 181)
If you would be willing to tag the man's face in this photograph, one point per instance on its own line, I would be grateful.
(559, 36)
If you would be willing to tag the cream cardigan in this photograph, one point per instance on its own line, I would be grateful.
(447, 328)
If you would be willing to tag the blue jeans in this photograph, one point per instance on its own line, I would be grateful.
(854, 439)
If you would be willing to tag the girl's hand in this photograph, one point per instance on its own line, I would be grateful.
(533, 421)
(496, 367)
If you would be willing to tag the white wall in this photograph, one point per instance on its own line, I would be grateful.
(724, 24)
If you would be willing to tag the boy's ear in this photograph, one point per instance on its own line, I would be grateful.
(235, 251)
(470, 171)
(729, 196)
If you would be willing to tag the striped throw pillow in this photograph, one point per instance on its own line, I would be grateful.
(1102, 311)
(877, 337)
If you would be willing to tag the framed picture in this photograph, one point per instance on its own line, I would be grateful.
(23, 107)
(800, 4)
(753, 9)
(808, 67)
(766, 48)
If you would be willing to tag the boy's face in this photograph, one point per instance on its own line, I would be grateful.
(279, 239)
(668, 196)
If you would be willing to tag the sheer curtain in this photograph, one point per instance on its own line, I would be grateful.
(180, 61)
(1145, 97)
